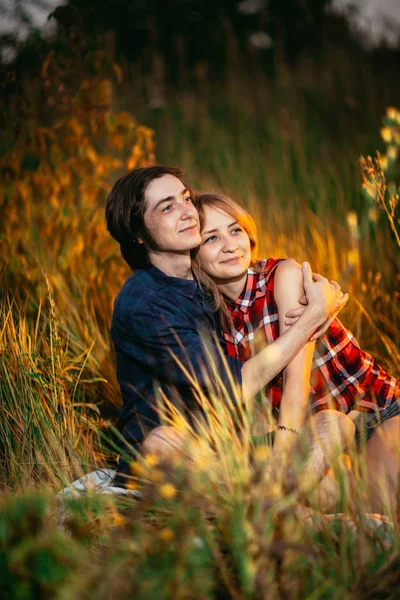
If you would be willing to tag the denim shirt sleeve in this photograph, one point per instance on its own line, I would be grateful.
(178, 354)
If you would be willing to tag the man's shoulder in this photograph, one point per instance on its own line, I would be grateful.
(146, 293)
(135, 293)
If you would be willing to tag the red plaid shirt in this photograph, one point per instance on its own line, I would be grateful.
(343, 376)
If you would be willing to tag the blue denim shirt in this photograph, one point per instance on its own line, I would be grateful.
(155, 318)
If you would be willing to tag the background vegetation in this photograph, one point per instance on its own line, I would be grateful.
(280, 128)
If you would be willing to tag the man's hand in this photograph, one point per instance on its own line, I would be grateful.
(321, 295)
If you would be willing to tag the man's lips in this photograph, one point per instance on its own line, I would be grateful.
(188, 228)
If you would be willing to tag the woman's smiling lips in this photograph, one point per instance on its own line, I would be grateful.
(231, 260)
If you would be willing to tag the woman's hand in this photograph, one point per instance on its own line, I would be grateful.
(323, 294)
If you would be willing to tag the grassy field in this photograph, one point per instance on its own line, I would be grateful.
(216, 527)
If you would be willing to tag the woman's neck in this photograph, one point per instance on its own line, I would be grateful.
(233, 288)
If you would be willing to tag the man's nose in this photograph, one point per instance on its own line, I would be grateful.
(188, 211)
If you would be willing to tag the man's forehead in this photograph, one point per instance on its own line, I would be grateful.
(163, 187)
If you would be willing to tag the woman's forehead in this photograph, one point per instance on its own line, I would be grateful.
(218, 214)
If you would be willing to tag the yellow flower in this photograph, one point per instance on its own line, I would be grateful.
(167, 535)
(383, 162)
(353, 257)
(392, 152)
(386, 134)
(137, 468)
(132, 485)
(373, 214)
(151, 460)
(118, 520)
(391, 112)
(156, 475)
(168, 491)
(352, 220)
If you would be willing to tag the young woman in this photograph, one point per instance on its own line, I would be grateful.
(252, 297)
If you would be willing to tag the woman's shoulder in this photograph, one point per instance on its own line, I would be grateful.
(267, 267)
(288, 266)
(276, 273)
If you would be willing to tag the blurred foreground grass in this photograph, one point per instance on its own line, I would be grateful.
(217, 529)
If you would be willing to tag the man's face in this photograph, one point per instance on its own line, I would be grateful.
(170, 217)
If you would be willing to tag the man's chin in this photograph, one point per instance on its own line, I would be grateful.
(192, 244)
(182, 250)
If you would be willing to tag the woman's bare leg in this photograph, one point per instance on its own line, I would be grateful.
(382, 458)
(327, 435)
(164, 441)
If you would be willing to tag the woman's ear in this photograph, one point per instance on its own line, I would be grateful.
(139, 240)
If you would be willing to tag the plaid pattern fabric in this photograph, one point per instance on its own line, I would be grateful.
(343, 376)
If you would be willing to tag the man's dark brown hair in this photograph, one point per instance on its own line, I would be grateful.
(125, 213)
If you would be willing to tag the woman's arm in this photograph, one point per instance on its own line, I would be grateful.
(288, 289)
(324, 299)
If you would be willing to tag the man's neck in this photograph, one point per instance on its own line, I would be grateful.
(234, 288)
(173, 265)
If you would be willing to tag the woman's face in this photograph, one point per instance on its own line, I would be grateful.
(225, 251)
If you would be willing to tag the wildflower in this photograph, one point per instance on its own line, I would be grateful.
(137, 468)
(118, 520)
(391, 112)
(132, 485)
(392, 152)
(167, 535)
(386, 134)
(151, 460)
(373, 214)
(352, 257)
(168, 491)
(383, 162)
(156, 475)
(352, 220)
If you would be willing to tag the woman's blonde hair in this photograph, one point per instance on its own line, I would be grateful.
(245, 220)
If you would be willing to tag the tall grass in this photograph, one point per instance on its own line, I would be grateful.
(47, 412)
(212, 526)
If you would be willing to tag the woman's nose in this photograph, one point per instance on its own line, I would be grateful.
(229, 244)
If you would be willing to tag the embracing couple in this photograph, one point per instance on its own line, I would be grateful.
(197, 288)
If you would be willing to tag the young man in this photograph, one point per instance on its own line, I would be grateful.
(163, 323)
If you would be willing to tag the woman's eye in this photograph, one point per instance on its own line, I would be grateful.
(188, 199)
(237, 230)
(209, 239)
(167, 208)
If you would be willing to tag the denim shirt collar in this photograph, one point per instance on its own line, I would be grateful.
(186, 287)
